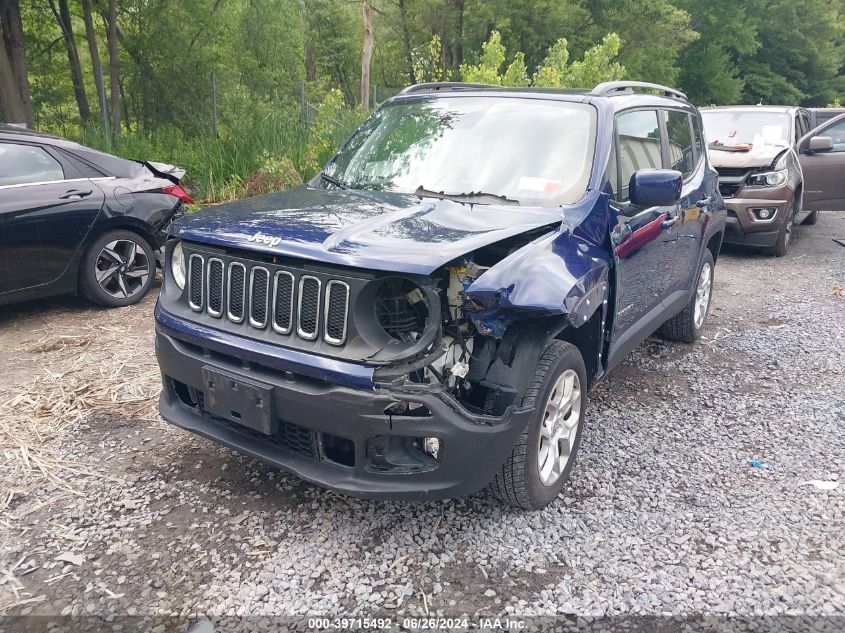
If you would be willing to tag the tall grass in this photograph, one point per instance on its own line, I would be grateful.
(215, 167)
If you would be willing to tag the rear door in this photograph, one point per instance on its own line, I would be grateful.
(685, 236)
(824, 172)
(45, 212)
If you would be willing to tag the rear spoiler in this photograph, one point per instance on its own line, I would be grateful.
(163, 170)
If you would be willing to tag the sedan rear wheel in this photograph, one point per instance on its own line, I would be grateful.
(118, 269)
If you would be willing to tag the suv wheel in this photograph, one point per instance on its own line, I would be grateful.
(539, 465)
(687, 325)
(118, 269)
(811, 219)
(781, 246)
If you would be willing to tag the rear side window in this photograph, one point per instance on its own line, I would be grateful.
(22, 164)
(681, 155)
(638, 140)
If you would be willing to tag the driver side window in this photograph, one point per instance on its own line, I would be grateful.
(837, 134)
(638, 140)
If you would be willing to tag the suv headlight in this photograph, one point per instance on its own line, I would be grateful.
(768, 179)
(177, 265)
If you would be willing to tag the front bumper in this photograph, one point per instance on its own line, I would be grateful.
(313, 417)
(742, 230)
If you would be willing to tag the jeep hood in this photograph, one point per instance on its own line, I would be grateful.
(381, 231)
(757, 156)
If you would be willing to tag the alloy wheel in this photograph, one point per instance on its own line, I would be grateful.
(122, 268)
(559, 428)
(702, 294)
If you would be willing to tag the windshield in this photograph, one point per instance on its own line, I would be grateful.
(479, 149)
(733, 128)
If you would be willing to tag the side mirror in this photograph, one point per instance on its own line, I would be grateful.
(818, 144)
(655, 188)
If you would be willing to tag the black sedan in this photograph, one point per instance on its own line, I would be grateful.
(73, 219)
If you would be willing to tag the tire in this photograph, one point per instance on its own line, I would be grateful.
(687, 325)
(519, 482)
(781, 245)
(113, 273)
(811, 219)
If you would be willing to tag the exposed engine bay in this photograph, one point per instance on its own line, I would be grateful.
(461, 356)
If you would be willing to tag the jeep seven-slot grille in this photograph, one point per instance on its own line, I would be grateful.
(266, 296)
(195, 282)
(309, 306)
(215, 287)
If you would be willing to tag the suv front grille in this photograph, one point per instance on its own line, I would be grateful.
(267, 296)
(237, 291)
(309, 306)
(215, 287)
(259, 292)
(731, 180)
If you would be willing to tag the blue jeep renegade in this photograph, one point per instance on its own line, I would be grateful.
(424, 318)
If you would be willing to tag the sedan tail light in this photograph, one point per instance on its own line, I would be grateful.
(179, 192)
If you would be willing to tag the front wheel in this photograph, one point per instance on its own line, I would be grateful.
(118, 269)
(539, 465)
(688, 324)
(784, 239)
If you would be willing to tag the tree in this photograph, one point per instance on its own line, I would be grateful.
(91, 36)
(62, 15)
(800, 54)
(711, 66)
(654, 34)
(366, 55)
(15, 101)
(114, 67)
(598, 64)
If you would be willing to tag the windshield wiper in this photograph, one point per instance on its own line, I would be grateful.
(479, 197)
(333, 181)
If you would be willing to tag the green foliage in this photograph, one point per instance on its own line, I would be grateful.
(334, 121)
(486, 71)
(599, 64)
(655, 32)
(429, 66)
(287, 72)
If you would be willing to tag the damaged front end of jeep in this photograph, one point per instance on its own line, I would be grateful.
(472, 331)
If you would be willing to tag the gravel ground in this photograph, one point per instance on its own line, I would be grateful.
(688, 495)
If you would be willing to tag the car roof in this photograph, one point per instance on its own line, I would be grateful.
(111, 164)
(13, 132)
(755, 108)
(618, 101)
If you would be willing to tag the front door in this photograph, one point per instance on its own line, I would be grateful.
(644, 240)
(44, 216)
(824, 184)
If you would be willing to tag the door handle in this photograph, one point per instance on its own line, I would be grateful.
(704, 202)
(75, 194)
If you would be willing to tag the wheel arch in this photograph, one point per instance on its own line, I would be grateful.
(714, 244)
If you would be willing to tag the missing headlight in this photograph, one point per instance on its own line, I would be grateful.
(401, 309)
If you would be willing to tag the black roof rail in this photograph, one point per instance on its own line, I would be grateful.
(609, 88)
(444, 85)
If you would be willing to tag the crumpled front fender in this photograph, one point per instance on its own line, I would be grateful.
(557, 274)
